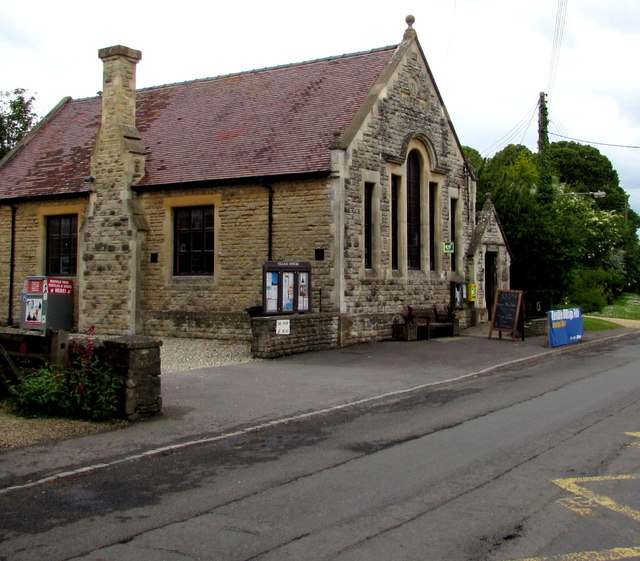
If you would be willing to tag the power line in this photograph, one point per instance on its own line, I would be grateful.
(561, 14)
(554, 120)
(520, 129)
(593, 142)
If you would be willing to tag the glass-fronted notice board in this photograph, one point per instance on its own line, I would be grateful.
(286, 287)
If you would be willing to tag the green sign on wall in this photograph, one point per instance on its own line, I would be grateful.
(448, 247)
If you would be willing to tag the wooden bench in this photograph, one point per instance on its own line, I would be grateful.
(432, 320)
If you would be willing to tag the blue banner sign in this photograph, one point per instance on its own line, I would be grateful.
(565, 326)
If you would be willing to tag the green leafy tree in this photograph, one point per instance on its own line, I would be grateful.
(474, 159)
(585, 170)
(17, 116)
(540, 262)
(571, 246)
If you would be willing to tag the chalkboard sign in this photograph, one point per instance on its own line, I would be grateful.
(508, 313)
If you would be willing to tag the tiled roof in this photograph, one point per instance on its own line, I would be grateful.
(275, 121)
(56, 160)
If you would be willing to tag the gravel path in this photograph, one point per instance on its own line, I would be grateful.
(16, 432)
(179, 353)
(625, 322)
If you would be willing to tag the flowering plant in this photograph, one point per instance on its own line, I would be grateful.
(86, 388)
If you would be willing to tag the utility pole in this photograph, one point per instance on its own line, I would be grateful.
(545, 190)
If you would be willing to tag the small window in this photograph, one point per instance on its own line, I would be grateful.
(62, 245)
(193, 241)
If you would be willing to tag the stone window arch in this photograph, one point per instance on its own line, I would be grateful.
(416, 206)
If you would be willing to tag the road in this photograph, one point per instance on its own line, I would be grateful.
(537, 463)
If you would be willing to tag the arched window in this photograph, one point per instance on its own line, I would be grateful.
(413, 210)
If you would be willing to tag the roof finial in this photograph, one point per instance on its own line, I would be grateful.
(410, 33)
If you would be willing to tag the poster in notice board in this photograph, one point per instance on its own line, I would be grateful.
(508, 313)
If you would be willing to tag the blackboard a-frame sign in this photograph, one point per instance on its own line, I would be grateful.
(508, 313)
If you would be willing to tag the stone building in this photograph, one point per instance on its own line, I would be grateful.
(163, 204)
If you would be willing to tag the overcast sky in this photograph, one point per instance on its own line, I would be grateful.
(490, 58)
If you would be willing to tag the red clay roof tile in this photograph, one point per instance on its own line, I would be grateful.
(276, 121)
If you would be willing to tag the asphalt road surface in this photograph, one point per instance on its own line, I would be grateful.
(539, 463)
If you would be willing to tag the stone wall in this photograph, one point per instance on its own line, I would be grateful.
(407, 115)
(28, 256)
(364, 328)
(536, 327)
(30, 249)
(136, 360)
(213, 305)
(5, 263)
(308, 332)
(226, 327)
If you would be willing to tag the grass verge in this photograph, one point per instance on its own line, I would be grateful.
(627, 306)
(595, 324)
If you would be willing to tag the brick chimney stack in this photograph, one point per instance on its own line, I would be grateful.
(114, 226)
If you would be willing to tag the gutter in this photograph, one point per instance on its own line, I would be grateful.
(230, 181)
(269, 189)
(12, 264)
(270, 224)
(45, 197)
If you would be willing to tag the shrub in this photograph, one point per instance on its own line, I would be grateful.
(41, 392)
(85, 389)
(590, 289)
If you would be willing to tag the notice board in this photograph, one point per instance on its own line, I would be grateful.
(286, 287)
(508, 313)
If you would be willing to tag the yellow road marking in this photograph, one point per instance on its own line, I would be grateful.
(574, 485)
(635, 435)
(607, 555)
(583, 503)
(579, 505)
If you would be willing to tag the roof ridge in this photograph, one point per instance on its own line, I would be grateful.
(268, 68)
(247, 72)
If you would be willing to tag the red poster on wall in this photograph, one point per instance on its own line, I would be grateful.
(58, 286)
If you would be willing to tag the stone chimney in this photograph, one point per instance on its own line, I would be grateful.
(113, 229)
(119, 85)
(119, 108)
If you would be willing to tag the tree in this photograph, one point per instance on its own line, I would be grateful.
(16, 118)
(511, 170)
(474, 159)
(570, 246)
(540, 262)
(585, 170)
